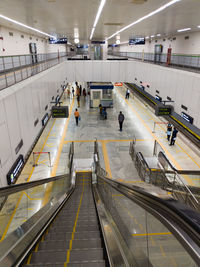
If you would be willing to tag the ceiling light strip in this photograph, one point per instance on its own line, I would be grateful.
(145, 17)
(97, 17)
(25, 26)
(184, 30)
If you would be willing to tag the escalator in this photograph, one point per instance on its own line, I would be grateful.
(86, 219)
(74, 238)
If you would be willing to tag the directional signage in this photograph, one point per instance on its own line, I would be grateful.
(15, 170)
(163, 110)
(60, 112)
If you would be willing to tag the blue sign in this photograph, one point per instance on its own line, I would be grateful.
(15, 170)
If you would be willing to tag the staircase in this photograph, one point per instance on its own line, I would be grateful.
(74, 238)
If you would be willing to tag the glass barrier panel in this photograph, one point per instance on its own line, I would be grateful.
(19, 207)
(149, 241)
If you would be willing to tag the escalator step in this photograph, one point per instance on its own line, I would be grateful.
(79, 228)
(77, 235)
(84, 264)
(76, 255)
(64, 245)
(79, 222)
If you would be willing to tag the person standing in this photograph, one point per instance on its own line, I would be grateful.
(174, 135)
(76, 115)
(84, 93)
(169, 131)
(121, 120)
(127, 94)
(78, 100)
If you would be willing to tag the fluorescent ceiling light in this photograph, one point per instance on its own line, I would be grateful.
(158, 34)
(26, 26)
(198, 26)
(76, 33)
(126, 42)
(145, 17)
(152, 36)
(147, 37)
(97, 17)
(184, 30)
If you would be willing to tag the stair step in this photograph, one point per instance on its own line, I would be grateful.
(79, 222)
(81, 255)
(64, 245)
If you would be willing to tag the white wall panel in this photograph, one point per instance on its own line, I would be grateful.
(79, 71)
(106, 71)
(5, 145)
(114, 71)
(96, 71)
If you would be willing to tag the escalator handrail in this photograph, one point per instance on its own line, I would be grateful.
(176, 173)
(173, 209)
(144, 160)
(12, 189)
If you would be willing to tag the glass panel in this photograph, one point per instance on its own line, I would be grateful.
(149, 241)
(19, 207)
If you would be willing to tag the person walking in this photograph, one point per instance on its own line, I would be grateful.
(127, 94)
(84, 93)
(174, 135)
(76, 115)
(78, 100)
(73, 91)
(121, 120)
(169, 131)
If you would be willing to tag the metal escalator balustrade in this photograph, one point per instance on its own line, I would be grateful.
(74, 239)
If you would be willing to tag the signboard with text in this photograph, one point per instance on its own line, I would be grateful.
(163, 110)
(15, 170)
(60, 112)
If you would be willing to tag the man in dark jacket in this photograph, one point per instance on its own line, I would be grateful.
(121, 120)
(173, 138)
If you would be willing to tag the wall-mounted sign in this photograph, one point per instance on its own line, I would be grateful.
(60, 112)
(137, 41)
(36, 122)
(163, 110)
(15, 170)
(45, 119)
(118, 84)
(57, 99)
(157, 97)
(17, 149)
(187, 117)
(58, 40)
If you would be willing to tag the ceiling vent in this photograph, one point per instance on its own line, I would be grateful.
(138, 1)
(113, 24)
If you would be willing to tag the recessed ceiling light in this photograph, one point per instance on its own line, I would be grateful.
(198, 26)
(76, 40)
(152, 36)
(158, 34)
(25, 26)
(145, 17)
(147, 37)
(184, 30)
(118, 41)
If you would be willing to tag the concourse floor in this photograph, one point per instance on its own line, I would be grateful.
(114, 153)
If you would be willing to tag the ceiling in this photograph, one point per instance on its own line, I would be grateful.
(61, 17)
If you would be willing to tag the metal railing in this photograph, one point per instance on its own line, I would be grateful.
(14, 69)
(182, 61)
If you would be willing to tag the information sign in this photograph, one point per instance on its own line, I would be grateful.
(187, 117)
(15, 170)
(45, 119)
(163, 110)
(60, 112)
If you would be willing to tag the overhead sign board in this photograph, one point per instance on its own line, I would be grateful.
(163, 110)
(45, 119)
(60, 112)
(15, 170)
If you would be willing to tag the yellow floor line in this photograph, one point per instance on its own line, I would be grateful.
(31, 198)
(13, 214)
(106, 158)
(162, 251)
(74, 228)
(157, 139)
(176, 142)
(55, 166)
(152, 234)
